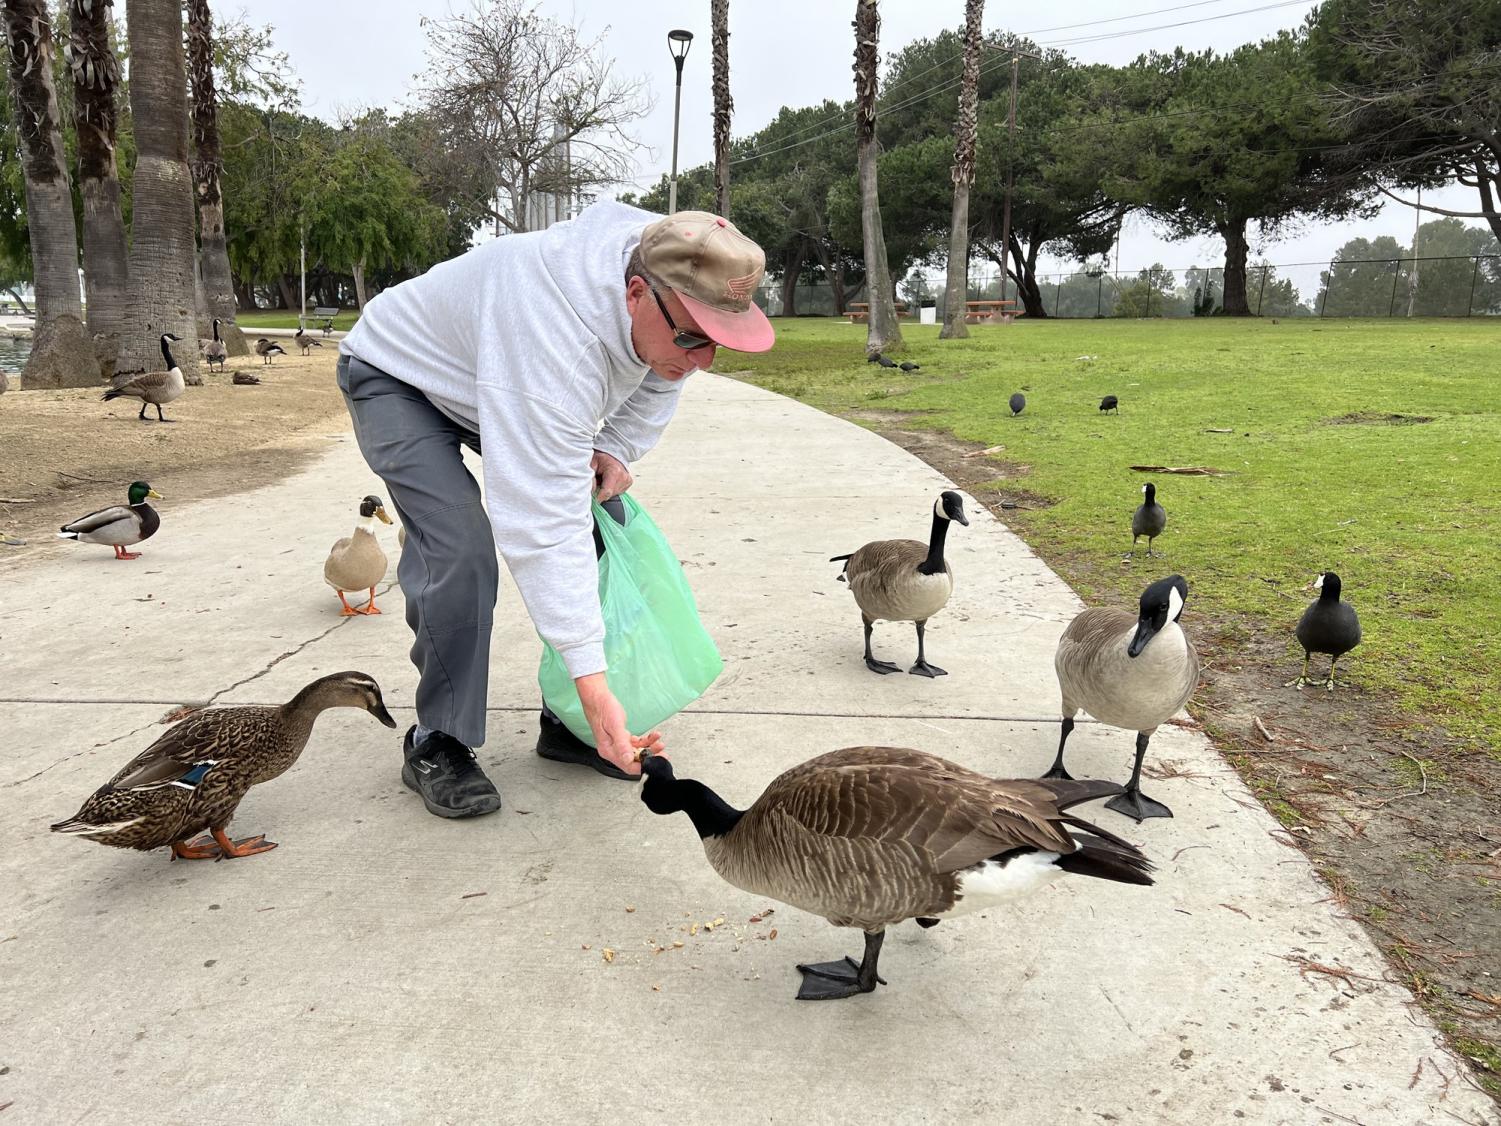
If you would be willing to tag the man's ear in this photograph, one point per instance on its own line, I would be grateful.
(635, 292)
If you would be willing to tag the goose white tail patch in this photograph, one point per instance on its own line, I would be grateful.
(990, 884)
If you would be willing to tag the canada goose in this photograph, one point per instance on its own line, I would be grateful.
(154, 388)
(904, 581)
(244, 379)
(266, 349)
(1110, 403)
(194, 777)
(1327, 626)
(1018, 403)
(305, 340)
(1149, 519)
(1128, 672)
(119, 525)
(908, 365)
(357, 561)
(215, 352)
(870, 836)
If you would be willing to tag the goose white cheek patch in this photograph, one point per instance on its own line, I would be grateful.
(1174, 604)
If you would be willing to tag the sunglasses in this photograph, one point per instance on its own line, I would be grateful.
(687, 341)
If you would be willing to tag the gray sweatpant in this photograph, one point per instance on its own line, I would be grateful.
(448, 570)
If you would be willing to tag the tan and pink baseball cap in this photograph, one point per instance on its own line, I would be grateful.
(714, 270)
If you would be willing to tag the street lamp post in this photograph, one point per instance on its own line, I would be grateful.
(678, 42)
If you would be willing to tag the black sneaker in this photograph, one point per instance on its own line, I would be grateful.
(556, 742)
(447, 776)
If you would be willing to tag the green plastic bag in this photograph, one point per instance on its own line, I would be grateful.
(660, 656)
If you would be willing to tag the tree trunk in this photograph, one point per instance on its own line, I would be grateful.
(359, 284)
(284, 288)
(218, 288)
(62, 355)
(724, 105)
(106, 263)
(792, 266)
(956, 289)
(244, 297)
(1236, 250)
(834, 271)
(1026, 274)
(162, 251)
(883, 332)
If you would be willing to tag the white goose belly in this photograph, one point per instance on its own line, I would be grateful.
(913, 597)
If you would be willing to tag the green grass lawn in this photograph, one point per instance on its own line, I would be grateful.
(1408, 514)
(287, 318)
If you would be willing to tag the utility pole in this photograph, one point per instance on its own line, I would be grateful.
(1412, 285)
(1016, 57)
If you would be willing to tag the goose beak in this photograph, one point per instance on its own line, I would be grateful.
(154, 493)
(1145, 631)
(378, 710)
(384, 519)
(963, 519)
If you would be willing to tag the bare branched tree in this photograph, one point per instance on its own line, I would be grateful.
(524, 106)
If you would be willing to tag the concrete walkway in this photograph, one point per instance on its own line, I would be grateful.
(385, 966)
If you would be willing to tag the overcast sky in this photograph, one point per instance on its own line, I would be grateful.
(355, 53)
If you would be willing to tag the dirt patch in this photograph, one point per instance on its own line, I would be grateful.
(65, 453)
(987, 476)
(1376, 418)
(1405, 830)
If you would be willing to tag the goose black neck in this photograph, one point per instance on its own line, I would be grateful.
(167, 354)
(934, 564)
(216, 330)
(712, 816)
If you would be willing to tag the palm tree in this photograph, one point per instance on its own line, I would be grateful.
(883, 332)
(106, 265)
(218, 285)
(62, 355)
(724, 105)
(162, 240)
(956, 292)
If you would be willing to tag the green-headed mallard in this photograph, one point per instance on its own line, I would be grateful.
(153, 388)
(357, 561)
(195, 775)
(120, 524)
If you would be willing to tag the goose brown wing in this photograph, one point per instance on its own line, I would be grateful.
(881, 562)
(141, 384)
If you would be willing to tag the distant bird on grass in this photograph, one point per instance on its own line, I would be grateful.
(1327, 626)
(305, 340)
(908, 365)
(245, 378)
(265, 349)
(1149, 519)
(885, 361)
(120, 525)
(1110, 403)
(1018, 403)
(153, 388)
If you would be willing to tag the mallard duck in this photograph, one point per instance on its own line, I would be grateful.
(305, 340)
(153, 388)
(265, 349)
(904, 581)
(1149, 520)
(1128, 671)
(870, 836)
(195, 775)
(215, 351)
(119, 525)
(1327, 626)
(357, 561)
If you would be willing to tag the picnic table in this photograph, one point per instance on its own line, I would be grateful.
(988, 311)
(859, 311)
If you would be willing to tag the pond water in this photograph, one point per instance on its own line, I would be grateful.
(13, 353)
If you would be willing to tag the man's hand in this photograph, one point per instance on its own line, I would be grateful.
(607, 720)
(611, 478)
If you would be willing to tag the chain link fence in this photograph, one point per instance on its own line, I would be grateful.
(1467, 286)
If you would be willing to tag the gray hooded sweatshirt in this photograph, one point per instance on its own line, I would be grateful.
(527, 341)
